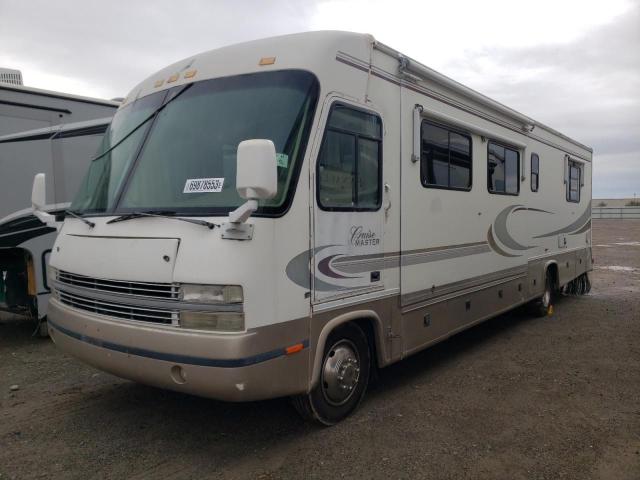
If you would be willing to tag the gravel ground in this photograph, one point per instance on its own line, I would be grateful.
(517, 397)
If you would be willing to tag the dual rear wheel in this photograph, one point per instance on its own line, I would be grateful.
(579, 286)
(543, 305)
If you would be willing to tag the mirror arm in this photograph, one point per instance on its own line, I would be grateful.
(243, 212)
(46, 218)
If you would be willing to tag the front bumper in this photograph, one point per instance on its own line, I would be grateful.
(232, 367)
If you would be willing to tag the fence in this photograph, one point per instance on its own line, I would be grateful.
(616, 212)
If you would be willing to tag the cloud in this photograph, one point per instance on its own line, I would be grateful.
(113, 45)
(588, 88)
(616, 173)
(571, 64)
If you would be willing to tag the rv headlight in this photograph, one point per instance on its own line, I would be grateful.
(218, 321)
(212, 293)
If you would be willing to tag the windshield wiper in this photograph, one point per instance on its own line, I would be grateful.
(80, 217)
(149, 117)
(163, 214)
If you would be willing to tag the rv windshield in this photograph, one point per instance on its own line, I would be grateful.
(195, 137)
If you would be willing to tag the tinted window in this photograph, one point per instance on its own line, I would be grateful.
(349, 163)
(445, 159)
(195, 137)
(535, 172)
(503, 167)
(573, 187)
(106, 173)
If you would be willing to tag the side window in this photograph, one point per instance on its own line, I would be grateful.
(503, 169)
(535, 172)
(574, 181)
(350, 161)
(445, 158)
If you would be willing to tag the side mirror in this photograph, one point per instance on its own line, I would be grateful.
(39, 192)
(256, 177)
(39, 201)
(257, 172)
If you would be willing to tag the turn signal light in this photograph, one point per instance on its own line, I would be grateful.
(294, 348)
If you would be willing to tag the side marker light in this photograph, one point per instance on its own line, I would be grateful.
(267, 61)
(294, 348)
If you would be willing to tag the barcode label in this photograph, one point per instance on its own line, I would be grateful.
(201, 185)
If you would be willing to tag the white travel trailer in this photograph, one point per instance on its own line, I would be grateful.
(40, 131)
(280, 217)
(64, 153)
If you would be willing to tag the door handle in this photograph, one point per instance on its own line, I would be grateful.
(387, 194)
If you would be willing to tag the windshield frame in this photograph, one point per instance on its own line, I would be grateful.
(263, 211)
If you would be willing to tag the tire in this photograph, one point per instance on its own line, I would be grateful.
(543, 304)
(42, 330)
(344, 376)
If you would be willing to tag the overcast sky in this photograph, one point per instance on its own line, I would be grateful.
(573, 65)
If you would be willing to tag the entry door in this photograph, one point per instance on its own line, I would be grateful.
(348, 204)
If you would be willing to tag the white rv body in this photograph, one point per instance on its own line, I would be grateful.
(62, 152)
(409, 264)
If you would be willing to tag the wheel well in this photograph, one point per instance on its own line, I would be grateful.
(366, 320)
(17, 278)
(366, 324)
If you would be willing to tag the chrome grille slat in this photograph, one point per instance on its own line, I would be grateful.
(166, 291)
(167, 317)
(106, 286)
(102, 302)
(68, 274)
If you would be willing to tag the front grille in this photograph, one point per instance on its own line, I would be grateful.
(144, 314)
(167, 291)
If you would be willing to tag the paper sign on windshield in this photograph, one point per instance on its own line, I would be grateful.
(202, 185)
(282, 160)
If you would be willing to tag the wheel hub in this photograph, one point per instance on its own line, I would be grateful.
(546, 298)
(340, 373)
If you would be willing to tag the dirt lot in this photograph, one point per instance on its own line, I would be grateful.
(517, 397)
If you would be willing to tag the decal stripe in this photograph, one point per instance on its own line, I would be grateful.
(586, 216)
(495, 246)
(299, 267)
(502, 233)
(172, 357)
(586, 227)
(14, 239)
(436, 293)
(324, 266)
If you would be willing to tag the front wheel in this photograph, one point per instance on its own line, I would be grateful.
(344, 376)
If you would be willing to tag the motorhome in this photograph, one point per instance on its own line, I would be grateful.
(63, 152)
(281, 217)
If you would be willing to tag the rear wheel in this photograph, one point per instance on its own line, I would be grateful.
(578, 286)
(543, 305)
(344, 376)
